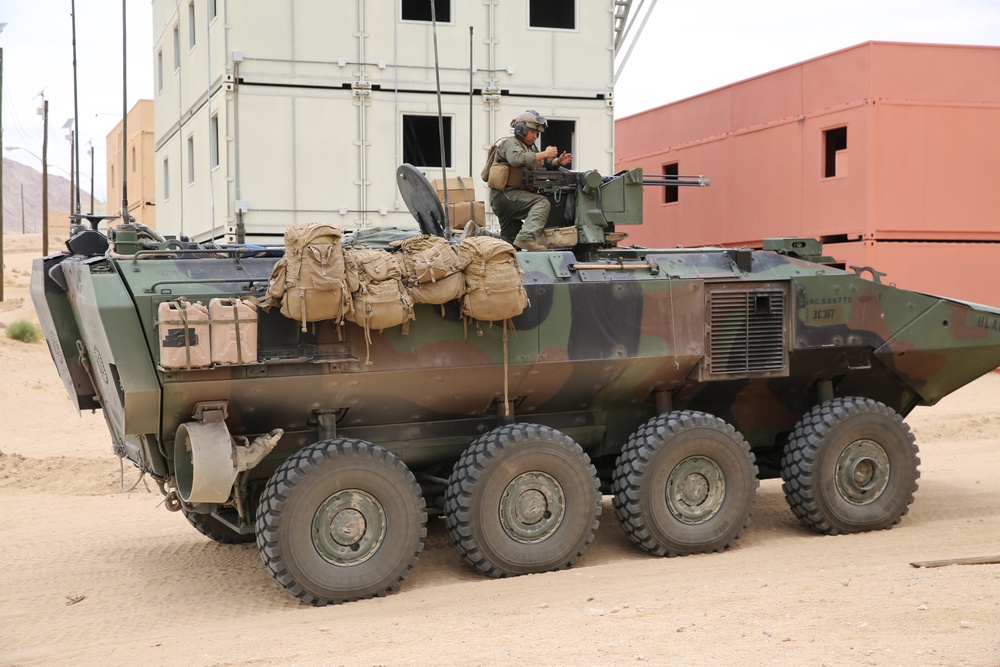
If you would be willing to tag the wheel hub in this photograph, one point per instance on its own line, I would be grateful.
(696, 489)
(532, 507)
(862, 472)
(348, 527)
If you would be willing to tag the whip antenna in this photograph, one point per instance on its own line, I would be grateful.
(437, 77)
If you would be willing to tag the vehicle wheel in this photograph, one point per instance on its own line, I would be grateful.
(341, 520)
(851, 465)
(212, 528)
(523, 498)
(685, 483)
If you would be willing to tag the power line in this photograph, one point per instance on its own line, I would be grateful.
(22, 134)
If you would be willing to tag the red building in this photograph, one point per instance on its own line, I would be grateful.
(888, 152)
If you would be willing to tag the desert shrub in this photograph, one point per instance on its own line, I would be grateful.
(24, 331)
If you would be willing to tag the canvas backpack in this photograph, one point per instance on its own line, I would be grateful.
(379, 298)
(309, 281)
(432, 269)
(494, 289)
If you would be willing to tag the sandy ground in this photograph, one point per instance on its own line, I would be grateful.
(94, 576)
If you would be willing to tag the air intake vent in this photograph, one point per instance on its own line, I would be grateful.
(748, 333)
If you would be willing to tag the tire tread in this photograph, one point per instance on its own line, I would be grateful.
(283, 482)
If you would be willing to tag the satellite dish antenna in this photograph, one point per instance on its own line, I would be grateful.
(420, 198)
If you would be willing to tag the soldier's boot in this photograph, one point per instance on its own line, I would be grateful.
(530, 245)
(472, 229)
(468, 231)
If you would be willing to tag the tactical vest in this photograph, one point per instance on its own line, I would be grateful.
(494, 171)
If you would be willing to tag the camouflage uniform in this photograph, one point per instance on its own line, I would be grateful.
(514, 204)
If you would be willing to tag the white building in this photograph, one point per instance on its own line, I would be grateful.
(273, 113)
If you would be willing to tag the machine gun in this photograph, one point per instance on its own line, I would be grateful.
(563, 180)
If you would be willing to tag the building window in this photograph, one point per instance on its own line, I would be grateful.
(420, 10)
(561, 134)
(213, 141)
(670, 192)
(159, 70)
(559, 14)
(835, 152)
(212, 10)
(177, 48)
(134, 161)
(166, 178)
(190, 146)
(421, 141)
(191, 24)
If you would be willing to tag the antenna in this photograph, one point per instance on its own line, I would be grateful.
(472, 91)
(76, 118)
(126, 218)
(437, 77)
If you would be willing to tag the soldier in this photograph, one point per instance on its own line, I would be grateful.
(513, 203)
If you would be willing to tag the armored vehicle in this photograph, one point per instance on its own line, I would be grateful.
(671, 379)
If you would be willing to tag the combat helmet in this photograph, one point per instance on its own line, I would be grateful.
(528, 120)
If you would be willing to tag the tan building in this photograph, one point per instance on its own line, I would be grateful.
(885, 151)
(139, 156)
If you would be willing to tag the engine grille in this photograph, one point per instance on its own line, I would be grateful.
(748, 332)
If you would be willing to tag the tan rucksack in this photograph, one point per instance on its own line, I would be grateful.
(309, 281)
(494, 289)
(431, 268)
(379, 298)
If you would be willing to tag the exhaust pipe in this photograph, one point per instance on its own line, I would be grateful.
(207, 459)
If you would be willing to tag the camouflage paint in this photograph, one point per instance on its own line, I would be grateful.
(611, 338)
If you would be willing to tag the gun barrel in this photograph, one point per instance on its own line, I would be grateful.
(698, 181)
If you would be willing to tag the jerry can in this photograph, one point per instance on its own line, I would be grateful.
(184, 335)
(234, 331)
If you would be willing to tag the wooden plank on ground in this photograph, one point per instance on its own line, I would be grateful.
(980, 560)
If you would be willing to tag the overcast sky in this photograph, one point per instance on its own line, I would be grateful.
(686, 48)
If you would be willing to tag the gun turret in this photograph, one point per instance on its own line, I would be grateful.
(594, 204)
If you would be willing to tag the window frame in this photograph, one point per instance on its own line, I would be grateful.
(214, 159)
(166, 179)
(177, 46)
(449, 157)
(159, 70)
(576, 17)
(671, 193)
(449, 21)
(832, 137)
(190, 160)
(192, 27)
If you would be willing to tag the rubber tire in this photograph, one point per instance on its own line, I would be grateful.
(481, 475)
(296, 491)
(212, 528)
(647, 460)
(808, 467)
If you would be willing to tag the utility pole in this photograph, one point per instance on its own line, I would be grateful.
(45, 176)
